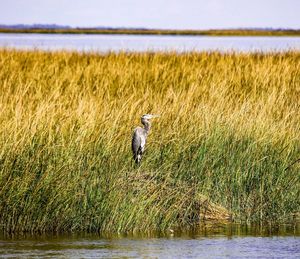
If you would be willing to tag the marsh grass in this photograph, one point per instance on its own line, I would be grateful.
(223, 148)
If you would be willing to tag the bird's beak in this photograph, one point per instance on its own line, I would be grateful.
(155, 116)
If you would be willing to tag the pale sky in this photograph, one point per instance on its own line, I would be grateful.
(164, 14)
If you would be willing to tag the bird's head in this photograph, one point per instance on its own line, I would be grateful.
(149, 116)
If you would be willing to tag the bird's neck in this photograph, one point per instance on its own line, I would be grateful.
(147, 125)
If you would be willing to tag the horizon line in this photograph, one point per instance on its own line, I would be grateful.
(45, 25)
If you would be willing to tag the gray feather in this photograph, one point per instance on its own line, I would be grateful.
(140, 136)
(138, 144)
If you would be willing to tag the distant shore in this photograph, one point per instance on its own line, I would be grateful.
(227, 32)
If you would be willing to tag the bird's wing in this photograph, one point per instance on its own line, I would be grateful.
(143, 142)
(136, 140)
(138, 143)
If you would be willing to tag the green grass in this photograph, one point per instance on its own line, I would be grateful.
(223, 148)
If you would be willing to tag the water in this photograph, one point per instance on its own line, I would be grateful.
(225, 243)
(105, 43)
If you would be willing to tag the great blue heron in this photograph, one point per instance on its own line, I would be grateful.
(140, 136)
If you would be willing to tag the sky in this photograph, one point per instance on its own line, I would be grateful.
(157, 14)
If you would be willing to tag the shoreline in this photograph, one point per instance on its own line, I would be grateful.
(213, 33)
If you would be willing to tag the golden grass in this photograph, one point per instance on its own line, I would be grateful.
(229, 128)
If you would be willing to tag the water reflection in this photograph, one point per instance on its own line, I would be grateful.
(105, 43)
(209, 242)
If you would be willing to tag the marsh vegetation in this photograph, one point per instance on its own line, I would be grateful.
(216, 32)
(225, 147)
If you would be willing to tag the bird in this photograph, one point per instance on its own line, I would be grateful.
(139, 137)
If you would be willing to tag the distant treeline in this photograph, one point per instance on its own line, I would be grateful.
(225, 32)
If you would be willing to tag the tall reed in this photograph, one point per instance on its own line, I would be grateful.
(224, 147)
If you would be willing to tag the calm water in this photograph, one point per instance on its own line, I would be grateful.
(104, 43)
(226, 243)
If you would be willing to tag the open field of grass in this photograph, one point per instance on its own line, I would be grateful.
(226, 145)
(224, 32)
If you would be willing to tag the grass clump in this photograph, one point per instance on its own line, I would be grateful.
(224, 147)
